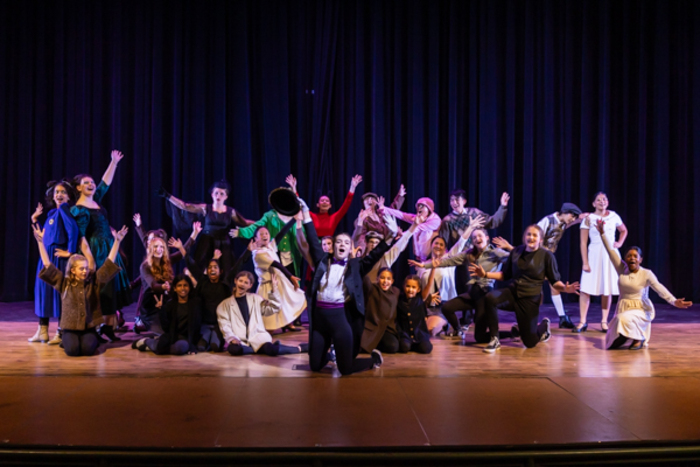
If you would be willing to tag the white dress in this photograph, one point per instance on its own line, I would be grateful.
(275, 287)
(634, 312)
(444, 278)
(602, 280)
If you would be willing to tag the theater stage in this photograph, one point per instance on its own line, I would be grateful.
(566, 394)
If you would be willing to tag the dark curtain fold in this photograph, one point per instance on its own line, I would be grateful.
(549, 101)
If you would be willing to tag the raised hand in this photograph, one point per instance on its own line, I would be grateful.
(681, 303)
(304, 206)
(415, 264)
(175, 243)
(502, 243)
(292, 182)
(362, 215)
(356, 252)
(38, 233)
(402, 190)
(119, 236)
(434, 299)
(137, 219)
(166, 286)
(600, 227)
(233, 233)
(117, 156)
(478, 222)
(477, 270)
(380, 202)
(251, 245)
(62, 253)
(505, 197)
(217, 253)
(196, 228)
(390, 222)
(356, 180)
(37, 212)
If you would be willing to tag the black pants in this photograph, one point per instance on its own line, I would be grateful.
(179, 347)
(527, 312)
(407, 345)
(272, 349)
(212, 339)
(485, 324)
(80, 343)
(389, 343)
(343, 328)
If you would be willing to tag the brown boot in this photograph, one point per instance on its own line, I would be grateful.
(41, 335)
(57, 339)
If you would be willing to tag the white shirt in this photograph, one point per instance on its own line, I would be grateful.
(332, 287)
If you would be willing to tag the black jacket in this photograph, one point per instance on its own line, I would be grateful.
(168, 320)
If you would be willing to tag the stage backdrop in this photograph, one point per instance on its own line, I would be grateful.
(549, 101)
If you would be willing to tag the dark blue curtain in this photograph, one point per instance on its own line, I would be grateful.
(550, 101)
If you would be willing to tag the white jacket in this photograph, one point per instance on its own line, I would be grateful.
(233, 327)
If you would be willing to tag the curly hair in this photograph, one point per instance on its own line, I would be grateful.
(160, 268)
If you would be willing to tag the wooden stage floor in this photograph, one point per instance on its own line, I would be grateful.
(567, 391)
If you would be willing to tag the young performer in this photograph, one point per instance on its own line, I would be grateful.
(60, 240)
(381, 299)
(390, 257)
(526, 269)
(489, 259)
(554, 226)
(411, 317)
(241, 321)
(634, 312)
(217, 219)
(276, 283)
(422, 241)
(455, 223)
(181, 321)
(599, 276)
(370, 219)
(92, 221)
(79, 289)
(337, 307)
(324, 221)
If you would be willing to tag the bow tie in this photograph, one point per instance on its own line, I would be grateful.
(339, 262)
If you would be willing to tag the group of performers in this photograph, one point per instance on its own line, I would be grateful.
(349, 292)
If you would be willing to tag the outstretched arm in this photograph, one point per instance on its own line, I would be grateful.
(112, 168)
(614, 256)
(118, 237)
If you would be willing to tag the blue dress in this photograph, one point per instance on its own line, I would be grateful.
(60, 232)
(94, 226)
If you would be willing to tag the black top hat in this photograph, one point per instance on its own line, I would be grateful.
(284, 201)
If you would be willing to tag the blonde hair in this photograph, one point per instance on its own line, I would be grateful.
(72, 280)
(161, 268)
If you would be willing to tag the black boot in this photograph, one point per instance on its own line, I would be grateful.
(565, 322)
(108, 331)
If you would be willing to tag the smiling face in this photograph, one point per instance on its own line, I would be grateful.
(532, 238)
(480, 239)
(457, 203)
(411, 288)
(633, 260)
(87, 186)
(243, 285)
(342, 246)
(385, 280)
(213, 271)
(601, 203)
(219, 196)
(157, 247)
(60, 195)
(438, 247)
(262, 237)
(80, 270)
(182, 289)
(327, 245)
(324, 204)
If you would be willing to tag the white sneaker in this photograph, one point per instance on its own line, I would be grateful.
(378, 359)
(494, 345)
(548, 332)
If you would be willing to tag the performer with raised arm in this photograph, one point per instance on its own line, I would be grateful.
(60, 238)
(217, 218)
(370, 219)
(599, 276)
(634, 312)
(455, 223)
(92, 221)
(79, 289)
(426, 231)
(337, 302)
(526, 269)
(324, 221)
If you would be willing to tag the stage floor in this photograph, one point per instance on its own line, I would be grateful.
(567, 391)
